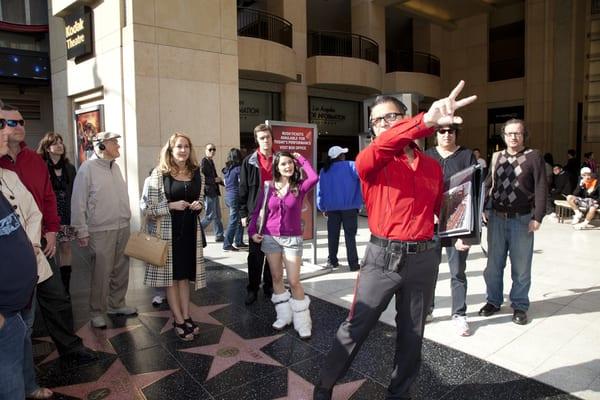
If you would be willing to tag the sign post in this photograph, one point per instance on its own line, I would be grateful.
(297, 137)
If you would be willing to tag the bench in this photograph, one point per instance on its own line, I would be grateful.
(563, 210)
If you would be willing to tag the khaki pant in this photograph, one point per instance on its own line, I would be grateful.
(110, 270)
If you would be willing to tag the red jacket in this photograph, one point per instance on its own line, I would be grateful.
(401, 202)
(33, 172)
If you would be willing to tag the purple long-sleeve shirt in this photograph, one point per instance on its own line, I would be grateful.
(284, 214)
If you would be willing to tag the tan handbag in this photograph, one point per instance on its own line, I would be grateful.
(150, 249)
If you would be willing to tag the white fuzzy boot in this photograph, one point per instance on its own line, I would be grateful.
(302, 321)
(283, 309)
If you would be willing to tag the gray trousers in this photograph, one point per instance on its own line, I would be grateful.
(110, 270)
(375, 287)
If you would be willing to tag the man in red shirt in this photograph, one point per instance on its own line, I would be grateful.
(402, 188)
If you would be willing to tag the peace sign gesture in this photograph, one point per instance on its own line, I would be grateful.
(442, 111)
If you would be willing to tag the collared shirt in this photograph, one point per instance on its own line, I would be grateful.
(401, 200)
(33, 172)
(266, 167)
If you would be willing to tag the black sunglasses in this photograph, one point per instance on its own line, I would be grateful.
(11, 122)
(213, 149)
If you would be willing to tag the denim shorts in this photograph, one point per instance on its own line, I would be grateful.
(290, 245)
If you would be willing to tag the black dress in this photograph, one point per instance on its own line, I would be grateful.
(184, 226)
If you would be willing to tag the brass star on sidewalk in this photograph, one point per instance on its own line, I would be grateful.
(115, 384)
(301, 389)
(232, 349)
(197, 313)
(94, 339)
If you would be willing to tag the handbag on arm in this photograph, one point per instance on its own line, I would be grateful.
(148, 248)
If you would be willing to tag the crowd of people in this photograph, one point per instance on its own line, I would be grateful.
(46, 206)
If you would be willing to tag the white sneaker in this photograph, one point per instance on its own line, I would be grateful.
(122, 310)
(577, 217)
(461, 325)
(98, 322)
(157, 300)
(584, 225)
(428, 318)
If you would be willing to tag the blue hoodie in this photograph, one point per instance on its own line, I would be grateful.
(339, 187)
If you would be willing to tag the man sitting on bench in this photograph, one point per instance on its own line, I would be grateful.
(584, 199)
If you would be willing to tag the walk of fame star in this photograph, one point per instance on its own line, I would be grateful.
(115, 384)
(232, 349)
(93, 339)
(301, 389)
(197, 313)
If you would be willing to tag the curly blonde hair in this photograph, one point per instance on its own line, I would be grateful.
(166, 163)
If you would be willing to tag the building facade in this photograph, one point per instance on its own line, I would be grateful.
(215, 68)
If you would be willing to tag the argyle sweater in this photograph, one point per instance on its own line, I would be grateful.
(519, 183)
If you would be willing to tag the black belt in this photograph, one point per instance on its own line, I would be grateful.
(405, 247)
(511, 214)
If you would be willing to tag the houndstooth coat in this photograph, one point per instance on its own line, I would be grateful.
(155, 207)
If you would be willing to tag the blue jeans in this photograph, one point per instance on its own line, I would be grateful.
(335, 220)
(213, 214)
(28, 364)
(235, 232)
(457, 261)
(509, 236)
(12, 343)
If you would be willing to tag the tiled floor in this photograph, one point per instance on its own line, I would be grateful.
(239, 356)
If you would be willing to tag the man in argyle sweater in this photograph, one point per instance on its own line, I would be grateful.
(514, 212)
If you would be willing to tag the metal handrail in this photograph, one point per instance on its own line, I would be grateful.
(264, 25)
(411, 61)
(342, 44)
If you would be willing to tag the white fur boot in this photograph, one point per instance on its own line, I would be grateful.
(302, 321)
(283, 309)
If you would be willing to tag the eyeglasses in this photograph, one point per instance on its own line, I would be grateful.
(515, 134)
(447, 131)
(212, 149)
(389, 118)
(11, 123)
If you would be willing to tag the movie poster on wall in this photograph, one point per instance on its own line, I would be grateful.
(299, 138)
(88, 122)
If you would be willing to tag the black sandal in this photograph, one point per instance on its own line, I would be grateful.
(183, 331)
(192, 325)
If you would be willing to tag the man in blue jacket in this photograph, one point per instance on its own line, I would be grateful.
(339, 198)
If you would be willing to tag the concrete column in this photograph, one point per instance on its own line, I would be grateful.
(295, 96)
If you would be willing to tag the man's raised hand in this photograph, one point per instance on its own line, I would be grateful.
(442, 111)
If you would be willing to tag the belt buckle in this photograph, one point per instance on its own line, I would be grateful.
(412, 247)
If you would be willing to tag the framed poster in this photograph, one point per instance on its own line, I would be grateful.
(88, 122)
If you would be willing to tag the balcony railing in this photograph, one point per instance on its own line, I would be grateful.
(412, 61)
(342, 44)
(262, 25)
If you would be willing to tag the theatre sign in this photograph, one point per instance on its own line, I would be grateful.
(78, 33)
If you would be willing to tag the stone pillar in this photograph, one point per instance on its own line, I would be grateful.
(295, 96)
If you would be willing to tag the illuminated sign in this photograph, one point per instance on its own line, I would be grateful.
(78, 33)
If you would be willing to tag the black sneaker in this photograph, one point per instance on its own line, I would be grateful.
(229, 248)
(332, 266)
(241, 245)
(220, 239)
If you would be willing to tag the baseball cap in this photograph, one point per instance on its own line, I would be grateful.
(585, 170)
(335, 151)
(102, 136)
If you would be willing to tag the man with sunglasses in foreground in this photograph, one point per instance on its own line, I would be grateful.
(402, 189)
(52, 299)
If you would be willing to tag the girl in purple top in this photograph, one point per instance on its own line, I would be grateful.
(281, 237)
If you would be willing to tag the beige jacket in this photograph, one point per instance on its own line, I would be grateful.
(29, 214)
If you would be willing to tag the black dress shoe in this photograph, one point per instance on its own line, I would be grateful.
(220, 239)
(250, 298)
(354, 267)
(488, 309)
(81, 356)
(519, 317)
(321, 393)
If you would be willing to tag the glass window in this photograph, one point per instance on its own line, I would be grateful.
(39, 12)
(507, 51)
(13, 11)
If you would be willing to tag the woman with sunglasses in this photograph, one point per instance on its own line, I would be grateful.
(62, 176)
(173, 205)
(281, 237)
